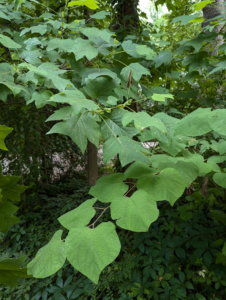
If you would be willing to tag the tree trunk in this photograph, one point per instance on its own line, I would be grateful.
(92, 164)
(126, 14)
(211, 11)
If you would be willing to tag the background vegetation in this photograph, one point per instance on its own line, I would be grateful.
(176, 78)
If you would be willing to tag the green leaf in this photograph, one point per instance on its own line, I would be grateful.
(94, 32)
(127, 149)
(138, 169)
(200, 297)
(100, 88)
(161, 97)
(135, 213)
(7, 218)
(197, 123)
(146, 51)
(79, 128)
(64, 44)
(11, 271)
(189, 171)
(184, 19)
(92, 4)
(4, 131)
(15, 88)
(220, 179)
(143, 120)
(11, 191)
(100, 15)
(198, 160)
(91, 250)
(83, 48)
(8, 42)
(61, 114)
(96, 72)
(200, 39)
(40, 29)
(130, 48)
(201, 5)
(137, 71)
(49, 71)
(164, 57)
(76, 99)
(41, 98)
(197, 60)
(189, 285)
(109, 187)
(222, 148)
(218, 121)
(4, 16)
(112, 100)
(112, 126)
(31, 56)
(49, 258)
(80, 216)
(169, 178)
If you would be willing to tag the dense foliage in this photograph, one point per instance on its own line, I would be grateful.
(154, 100)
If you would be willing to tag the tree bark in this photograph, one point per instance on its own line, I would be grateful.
(126, 14)
(211, 11)
(92, 164)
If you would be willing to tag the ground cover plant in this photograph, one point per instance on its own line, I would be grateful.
(104, 79)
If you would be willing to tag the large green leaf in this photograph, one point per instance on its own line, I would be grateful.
(93, 33)
(11, 271)
(143, 120)
(146, 51)
(198, 160)
(76, 99)
(8, 42)
(91, 250)
(196, 123)
(7, 218)
(100, 88)
(130, 48)
(4, 131)
(49, 258)
(137, 71)
(48, 71)
(166, 185)
(196, 60)
(83, 48)
(79, 128)
(200, 39)
(189, 171)
(109, 187)
(138, 169)
(112, 126)
(93, 73)
(164, 57)
(64, 44)
(80, 216)
(135, 213)
(220, 179)
(127, 149)
(218, 121)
